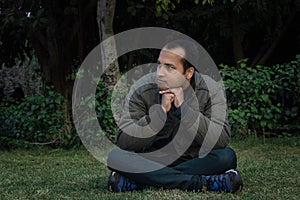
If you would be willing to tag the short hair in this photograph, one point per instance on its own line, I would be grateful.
(190, 50)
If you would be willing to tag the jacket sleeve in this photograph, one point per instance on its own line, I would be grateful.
(138, 126)
(209, 125)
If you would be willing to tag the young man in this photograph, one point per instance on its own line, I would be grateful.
(174, 131)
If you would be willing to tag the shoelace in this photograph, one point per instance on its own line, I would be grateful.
(127, 185)
(220, 181)
(131, 185)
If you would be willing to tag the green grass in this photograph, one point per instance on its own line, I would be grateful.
(270, 171)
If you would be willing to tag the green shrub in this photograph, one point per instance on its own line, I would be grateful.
(103, 110)
(287, 81)
(37, 119)
(103, 106)
(263, 99)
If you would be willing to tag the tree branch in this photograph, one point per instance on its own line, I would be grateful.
(45, 143)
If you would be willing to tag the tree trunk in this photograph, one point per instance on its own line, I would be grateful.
(52, 58)
(237, 39)
(55, 62)
(266, 53)
(58, 62)
(105, 15)
(56, 50)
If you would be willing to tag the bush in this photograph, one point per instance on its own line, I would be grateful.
(263, 99)
(103, 106)
(103, 110)
(34, 120)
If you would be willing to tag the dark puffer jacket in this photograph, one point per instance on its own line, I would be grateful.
(200, 124)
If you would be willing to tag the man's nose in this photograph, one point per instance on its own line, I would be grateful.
(160, 70)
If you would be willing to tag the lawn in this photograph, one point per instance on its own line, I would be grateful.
(270, 170)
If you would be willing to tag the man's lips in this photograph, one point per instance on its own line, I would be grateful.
(161, 81)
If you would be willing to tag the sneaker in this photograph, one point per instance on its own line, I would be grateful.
(118, 183)
(230, 181)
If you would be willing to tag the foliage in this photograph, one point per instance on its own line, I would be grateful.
(109, 107)
(263, 99)
(163, 6)
(287, 80)
(54, 30)
(243, 29)
(37, 119)
(106, 116)
(16, 19)
(41, 25)
(104, 110)
(60, 39)
(169, 4)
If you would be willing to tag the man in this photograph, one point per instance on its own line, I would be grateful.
(174, 131)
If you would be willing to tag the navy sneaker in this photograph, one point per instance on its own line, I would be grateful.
(230, 181)
(119, 183)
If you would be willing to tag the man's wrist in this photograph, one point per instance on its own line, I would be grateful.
(163, 108)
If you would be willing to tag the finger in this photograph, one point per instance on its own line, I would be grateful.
(169, 97)
(166, 92)
(171, 90)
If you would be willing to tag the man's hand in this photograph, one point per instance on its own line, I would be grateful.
(166, 101)
(170, 95)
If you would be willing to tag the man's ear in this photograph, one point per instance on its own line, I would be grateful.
(189, 73)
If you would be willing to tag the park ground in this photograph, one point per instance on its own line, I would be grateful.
(270, 170)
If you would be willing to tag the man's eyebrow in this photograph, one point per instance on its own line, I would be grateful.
(167, 64)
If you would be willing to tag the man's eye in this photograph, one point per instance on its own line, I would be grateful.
(170, 67)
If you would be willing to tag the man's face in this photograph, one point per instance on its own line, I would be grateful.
(170, 72)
